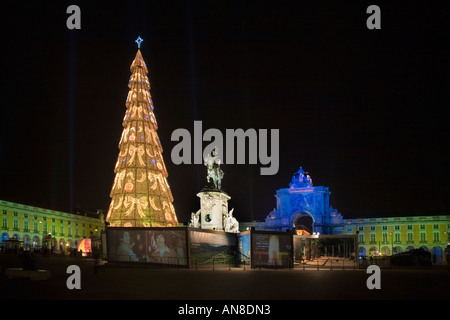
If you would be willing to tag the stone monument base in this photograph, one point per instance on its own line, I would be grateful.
(213, 208)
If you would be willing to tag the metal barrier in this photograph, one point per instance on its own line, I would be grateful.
(381, 261)
(326, 263)
(222, 262)
(260, 263)
(218, 263)
(213, 263)
(160, 262)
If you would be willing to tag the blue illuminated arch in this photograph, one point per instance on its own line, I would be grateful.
(362, 251)
(4, 237)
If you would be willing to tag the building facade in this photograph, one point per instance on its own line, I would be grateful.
(36, 228)
(392, 235)
(305, 209)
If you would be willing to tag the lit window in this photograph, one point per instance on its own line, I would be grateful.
(410, 237)
(436, 236)
(423, 237)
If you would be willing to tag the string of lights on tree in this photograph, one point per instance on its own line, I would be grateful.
(140, 195)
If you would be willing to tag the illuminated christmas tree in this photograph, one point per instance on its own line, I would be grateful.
(140, 195)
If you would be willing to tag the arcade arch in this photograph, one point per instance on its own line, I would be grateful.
(303, 223)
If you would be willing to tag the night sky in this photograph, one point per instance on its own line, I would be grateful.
(363, 111)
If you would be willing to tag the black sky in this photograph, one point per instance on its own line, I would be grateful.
(363, 111)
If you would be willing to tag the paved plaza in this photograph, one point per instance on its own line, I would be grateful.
(223, 283)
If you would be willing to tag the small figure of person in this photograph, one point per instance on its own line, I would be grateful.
(125, 250)
(161, 253)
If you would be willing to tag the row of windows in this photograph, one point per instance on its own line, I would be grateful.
(27, 224)
(397, 227)
(396, 238)
(45, 229)
(26, 216)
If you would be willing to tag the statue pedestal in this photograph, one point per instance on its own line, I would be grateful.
(214, 207)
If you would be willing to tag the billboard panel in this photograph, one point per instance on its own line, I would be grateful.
(85, 246)
(271, 249)
(244, 248)
(147, 245)
(208, 247)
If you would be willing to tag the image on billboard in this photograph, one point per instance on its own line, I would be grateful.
(271, 250)
(244, 248)
(159, 246)
(212, 247)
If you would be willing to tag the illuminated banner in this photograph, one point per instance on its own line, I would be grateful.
(148, 245)
(85, 246)
(190, 247)
(244, 247)
(271, 249)
(212, 247)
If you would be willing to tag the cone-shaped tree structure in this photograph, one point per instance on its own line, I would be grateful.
(140, 195)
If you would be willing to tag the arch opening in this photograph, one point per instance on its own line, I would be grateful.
(303, 223)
